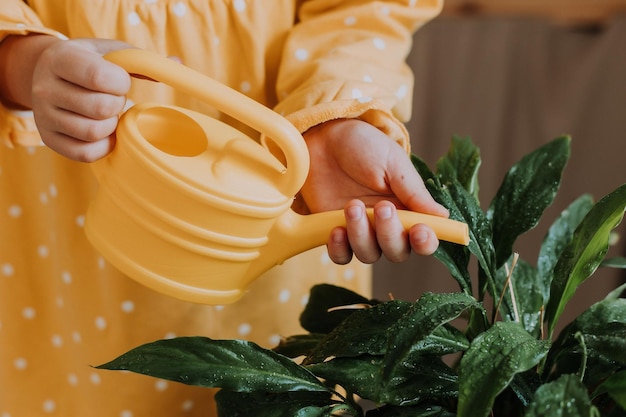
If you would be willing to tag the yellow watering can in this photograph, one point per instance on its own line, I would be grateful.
(194, 208)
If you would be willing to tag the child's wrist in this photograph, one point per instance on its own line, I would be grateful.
(18, 57)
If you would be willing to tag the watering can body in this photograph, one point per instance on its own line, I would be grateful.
(191, 207)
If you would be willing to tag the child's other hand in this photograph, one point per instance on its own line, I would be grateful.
(354, 165)
(77, 96)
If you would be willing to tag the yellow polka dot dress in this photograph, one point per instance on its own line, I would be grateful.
(63, 308)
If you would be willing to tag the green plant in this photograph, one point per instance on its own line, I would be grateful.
(444, 354)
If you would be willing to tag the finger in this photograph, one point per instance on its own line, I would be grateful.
(409, 187)
(95, 73)
(79, 100)
(338, 246)
(76, 149)
(69, 124)
(360, 233)
(390, 234)
(423, 240)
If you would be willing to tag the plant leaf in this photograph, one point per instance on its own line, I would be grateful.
(558, 236)
(528, 291)
(365, 331)
(262, 404)
(490, 364)
(424, 317)
(615, 386)
(236, 365)
(584, 253)
(415, 411)
(464, 207)
(603, 328)
(316, 317)
(426, 378)
(527, 190)
(298, 345)
(461, 163)
(564, 397)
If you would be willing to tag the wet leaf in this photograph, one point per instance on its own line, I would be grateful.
(526, 191)
(236, 365)
(490, 364)
(582, 256)
(564, 397)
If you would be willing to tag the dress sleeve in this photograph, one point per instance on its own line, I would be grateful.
(347, 59)
(18, 127)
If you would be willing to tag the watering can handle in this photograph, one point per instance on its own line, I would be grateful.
(142, 63)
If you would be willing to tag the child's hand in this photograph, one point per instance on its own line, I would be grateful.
(77, 96)
(354, 165)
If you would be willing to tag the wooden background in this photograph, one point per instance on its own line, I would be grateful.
(566, 11)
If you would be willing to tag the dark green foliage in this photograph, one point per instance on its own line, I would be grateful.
(444, 355)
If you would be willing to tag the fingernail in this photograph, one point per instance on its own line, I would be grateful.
(354, 213)
(384, 212)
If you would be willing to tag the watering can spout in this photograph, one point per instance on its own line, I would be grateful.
(295, 233)
(196, 209)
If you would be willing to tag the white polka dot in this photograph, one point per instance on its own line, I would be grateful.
(128, 306)
(367, 79)
(72, 379)
(379, 43)
(49, 406)
(240, 5)
(348, 274)
(356, 93)
(216, 41)
(245, 87)
(150, 1)
(52, 190)
(219, 308)
(29, 313)
(402, 91)
(126, 413)
(304, 300)
(170, 335)
(133, 19)
(274, 340)
(101, 323)
(66, 277)
(349, 21)
(161, 385)
(180, 9)
(43, 198)
(15, 211)
(80, 221)
(7, 270)
(364, 99)
(31, 150)
(101, 263)
(188, 405)
(76, 337)
(412, 3)
(385, 10)
(244, 329)
(20, 364)
(43, 251)
(95, 379)
(60, 302)
(284, 296)
(302, 54)
(57, 341)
